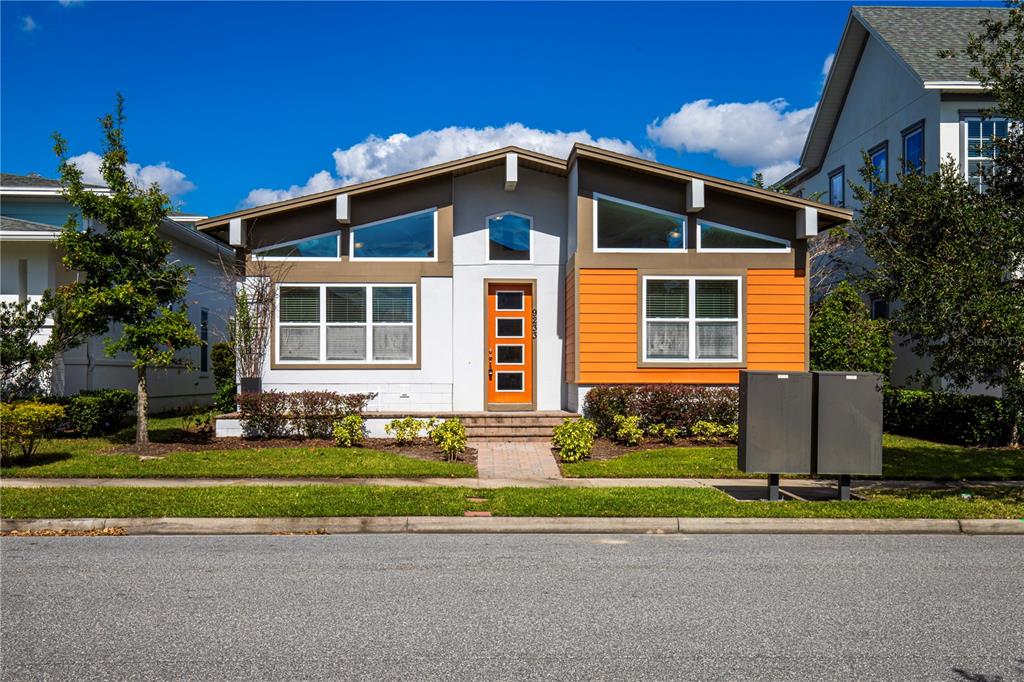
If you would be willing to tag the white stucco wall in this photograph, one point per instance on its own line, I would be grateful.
(426, 389)
(543, 197)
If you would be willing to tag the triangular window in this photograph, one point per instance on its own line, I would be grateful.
(715, 237)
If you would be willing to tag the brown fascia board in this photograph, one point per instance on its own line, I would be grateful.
(830, 214)
(530, 158)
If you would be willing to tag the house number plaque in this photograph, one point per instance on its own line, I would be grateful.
(533, 322)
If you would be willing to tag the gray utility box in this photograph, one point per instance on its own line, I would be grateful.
(848, 423)
(776, 411)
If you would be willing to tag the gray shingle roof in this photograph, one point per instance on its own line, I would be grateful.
(12, 180)
(918, 33)
(8, 224)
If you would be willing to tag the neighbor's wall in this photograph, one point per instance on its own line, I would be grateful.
(543, 197)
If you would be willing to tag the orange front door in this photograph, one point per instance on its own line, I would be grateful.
(509, 345)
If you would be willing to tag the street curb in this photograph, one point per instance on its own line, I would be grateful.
(458, 524)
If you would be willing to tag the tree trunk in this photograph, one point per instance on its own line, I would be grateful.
(142, 411)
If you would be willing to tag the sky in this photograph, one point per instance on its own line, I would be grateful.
(236, 104)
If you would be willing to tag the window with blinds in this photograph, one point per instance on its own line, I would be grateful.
(354, 324)
(689, 319)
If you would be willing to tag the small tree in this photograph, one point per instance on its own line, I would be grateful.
(844, 338)
(127, 277)
(24, 361)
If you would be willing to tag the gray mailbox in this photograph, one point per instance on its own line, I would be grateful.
(776, 413)
(848, 425)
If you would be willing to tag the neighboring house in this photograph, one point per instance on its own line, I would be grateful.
(512, 280)
(889, 94)
(33, 211)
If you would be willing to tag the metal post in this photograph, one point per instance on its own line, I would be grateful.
(844, 487)
(773, 488)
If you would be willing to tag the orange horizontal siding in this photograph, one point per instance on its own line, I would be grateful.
(775, 324)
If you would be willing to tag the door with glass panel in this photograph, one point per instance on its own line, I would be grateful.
(509, 346)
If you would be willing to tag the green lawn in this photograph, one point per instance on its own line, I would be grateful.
(903, 459)
(311, 500)
(80, 457)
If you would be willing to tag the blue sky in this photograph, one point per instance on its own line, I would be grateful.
(231, 104)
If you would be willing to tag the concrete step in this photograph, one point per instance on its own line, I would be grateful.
(508, 439)
(512, 421)
(505, 430)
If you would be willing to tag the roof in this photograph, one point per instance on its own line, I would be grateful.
(918, 33)
(536, 161)
(27, 181)
(8, 224)
(914, 36)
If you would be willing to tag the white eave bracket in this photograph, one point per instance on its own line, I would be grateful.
(341, 208)
(236, 233)
(695, 196)
(806, 222)
(511, 171)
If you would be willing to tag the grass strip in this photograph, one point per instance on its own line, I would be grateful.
(314, 500)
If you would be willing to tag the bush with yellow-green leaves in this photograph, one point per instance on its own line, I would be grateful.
(24, 425)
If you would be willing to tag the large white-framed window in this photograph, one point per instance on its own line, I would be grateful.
(346, 324)
(715, 237)
(622, 226)
(692, 319)
(980, 134)
(509, 238)
(409, 237)
(320, 247)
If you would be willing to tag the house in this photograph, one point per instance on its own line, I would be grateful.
(889, 94)
(512, 280)
(32, 212)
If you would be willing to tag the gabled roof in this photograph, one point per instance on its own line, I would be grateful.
(9, 224)
(914, 36)
(917, 34)
(11, 180)
(537, 161)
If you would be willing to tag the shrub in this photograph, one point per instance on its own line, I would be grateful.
(709, 432)
(100, 412)
(674, 405)
(263, 415)
(574, 439)
(200, 422)
(223, 359)
(349, 431)
(405, 430)
(948, 417)
(844, 338)
(315, 412)
(450, 437)
(25, 425)
(627, 429)
(666, 434)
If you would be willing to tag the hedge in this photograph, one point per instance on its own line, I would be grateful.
(674, 405)
(948, 417)
(96, 413)
(272, 414)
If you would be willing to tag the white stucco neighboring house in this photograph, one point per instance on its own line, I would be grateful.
(32, 212)
(889, 94)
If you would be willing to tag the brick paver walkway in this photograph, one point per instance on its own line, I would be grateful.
(516, 461)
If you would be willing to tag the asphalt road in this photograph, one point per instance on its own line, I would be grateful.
(514, 607)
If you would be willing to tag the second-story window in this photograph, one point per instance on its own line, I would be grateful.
(879, 156)
(407, 237)
(837, 187)
(621, 225)
(913, 149)
(509, 236)
(981, 135)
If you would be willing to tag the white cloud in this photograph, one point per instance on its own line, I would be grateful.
(827, 66)
(69, 3)
(171, 181)
(772, 173)
(28, 24)
(377, 157)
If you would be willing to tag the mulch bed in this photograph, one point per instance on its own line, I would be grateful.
(605, 449)
(421, 448)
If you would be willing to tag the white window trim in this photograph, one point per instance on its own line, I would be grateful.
(967, 158)
(692, 320)
(522, 354)
(634, 204)
(522, 328)
(730, 228)
(510, 390)
(487, 244)
(522, 301)
(352, 240)
(337, 234)
(323, 323)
